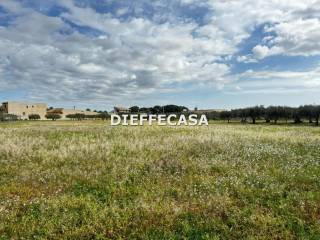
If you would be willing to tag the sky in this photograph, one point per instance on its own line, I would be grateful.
(197, 53)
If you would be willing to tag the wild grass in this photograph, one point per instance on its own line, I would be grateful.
(87, 180)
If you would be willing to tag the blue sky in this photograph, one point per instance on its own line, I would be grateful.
(198, 53)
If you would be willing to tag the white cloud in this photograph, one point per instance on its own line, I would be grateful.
(140, 55)
(134, 57)
(278, 81)
(122, 11)
(260, 52)
(297, 38)
(294, 23)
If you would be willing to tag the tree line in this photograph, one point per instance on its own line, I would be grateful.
(159, 109)
(103, 115)
(311, 113)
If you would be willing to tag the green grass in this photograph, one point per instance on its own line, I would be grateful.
(87, 180)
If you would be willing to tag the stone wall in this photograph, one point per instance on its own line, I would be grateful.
(23, 110)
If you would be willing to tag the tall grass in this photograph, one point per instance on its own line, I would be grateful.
(67, 180)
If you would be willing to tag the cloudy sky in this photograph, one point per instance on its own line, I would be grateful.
(204, 53)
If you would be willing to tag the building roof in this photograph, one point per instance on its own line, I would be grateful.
(55, 110)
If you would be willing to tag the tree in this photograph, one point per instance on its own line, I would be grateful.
(226, 115)
(134, 109)
(53, 116)
(296, 115)
(307, 112)
(214, 115)
(8, 117)
(255, 112)
(88, 109)
(34, 117)
(145, 110)
(157, 109)
(95, 116)
(316, 111)
(104, 115)
(174, 108)
(287, 113)
(80, 116)
(76, 116)
(274, 113)
(243, 114)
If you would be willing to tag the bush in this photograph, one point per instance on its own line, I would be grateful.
(53, 116)
(8, 117)
(34, 117)
(76, 116)
(104, 115)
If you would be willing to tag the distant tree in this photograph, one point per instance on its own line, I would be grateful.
(174, 108)
(287, 113)
(267, 114)
(255, 112)
(317, 114)
(34, 117)
(274, 113)
(88, 109)
(235, 113)
(104, 115)
(134, 109)
(145, 110)
(76, 116)
(214, 115)
(8, 117)
(101, 115)
(80, 116)
(70, 116)
(226, 115)
(243, 114)
(310, 112)
(307, 112)
(92, 116)
(296, 115)
(157, 109)
(53, 116)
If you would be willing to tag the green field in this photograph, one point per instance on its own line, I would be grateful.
(87, 180)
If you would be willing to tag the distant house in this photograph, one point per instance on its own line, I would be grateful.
(24, 110)
(63, 112)
(121, 110)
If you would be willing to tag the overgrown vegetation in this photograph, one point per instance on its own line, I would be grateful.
(310, 113)
(34, 117)
(86, 180)
(171, 108)
(7, 117)
(80, 116)
(53, 116)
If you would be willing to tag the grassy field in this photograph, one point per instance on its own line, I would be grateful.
(87, 180)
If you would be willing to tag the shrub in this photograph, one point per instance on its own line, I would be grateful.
(53, 116)
(76, 116)
(34, 117)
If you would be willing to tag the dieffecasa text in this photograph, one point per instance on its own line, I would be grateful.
(161, 120)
